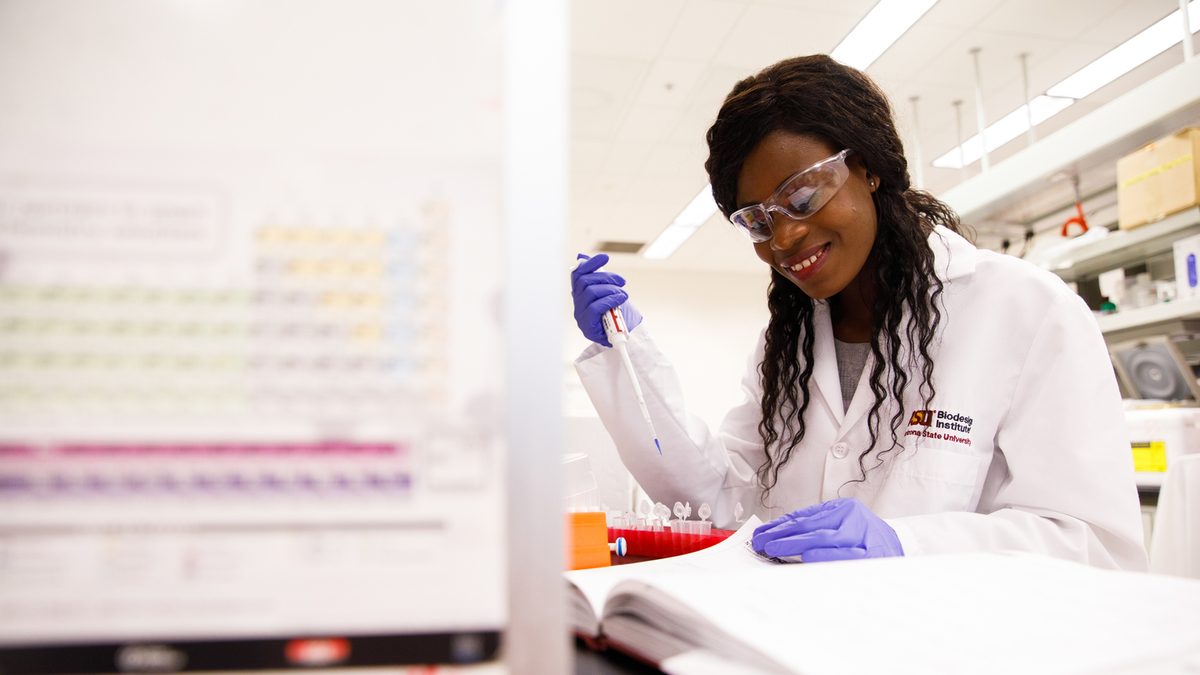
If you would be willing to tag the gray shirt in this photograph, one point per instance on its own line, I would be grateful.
(851, 358)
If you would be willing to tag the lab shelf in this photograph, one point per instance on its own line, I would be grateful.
(1127, 246)
(1153, 109)
(1148, 316)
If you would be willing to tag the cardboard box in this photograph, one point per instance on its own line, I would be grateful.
(1159, 179)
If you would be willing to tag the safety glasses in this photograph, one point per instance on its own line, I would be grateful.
(797, 198)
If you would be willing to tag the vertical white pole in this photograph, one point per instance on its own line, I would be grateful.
(918, 161)
(980, 117)
(962, 161)
(1030, 133)
(535, 217)
(1187, 31)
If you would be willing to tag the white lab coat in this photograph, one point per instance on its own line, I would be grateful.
(1039, 459)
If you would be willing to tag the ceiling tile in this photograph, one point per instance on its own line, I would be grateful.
(670, 83)
(963, 15)
(702, 27)
(588, 155)
(626, 158)
(768, 33)
(622, 28)
(856, 7)
(1057, 20)
(648, 124)
(671, 160)
(601, 91)
(694, 123)
(999, 61)
(1126, 21)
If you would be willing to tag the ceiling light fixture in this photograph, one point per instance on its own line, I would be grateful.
(1004, 130)
(878, 30)
(1118, 61)
(1128, 55)
(696, 213)
(874, 33)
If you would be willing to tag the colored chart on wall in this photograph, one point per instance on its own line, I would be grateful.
(250, 338)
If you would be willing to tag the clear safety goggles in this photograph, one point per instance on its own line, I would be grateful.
(797, 198)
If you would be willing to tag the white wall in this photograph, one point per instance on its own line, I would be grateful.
(706, 324)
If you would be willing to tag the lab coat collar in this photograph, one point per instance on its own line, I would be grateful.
(825, 375)
(953, 257)
(825, 368)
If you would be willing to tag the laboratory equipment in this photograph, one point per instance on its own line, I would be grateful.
(618, 335)
(587, 540)
(1154, 368)
(704, 527)
(594, 293)
(619, 546)
(661, 514)
(1160, 435)
(660, 543)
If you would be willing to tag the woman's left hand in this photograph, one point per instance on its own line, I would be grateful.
(840, 529)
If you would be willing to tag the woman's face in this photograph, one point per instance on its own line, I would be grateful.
(840, 235)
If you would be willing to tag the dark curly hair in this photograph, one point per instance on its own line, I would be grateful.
(817, 96)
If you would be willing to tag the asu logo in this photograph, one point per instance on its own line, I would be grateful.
(922, 418)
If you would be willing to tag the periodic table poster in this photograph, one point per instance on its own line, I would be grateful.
(251, 331)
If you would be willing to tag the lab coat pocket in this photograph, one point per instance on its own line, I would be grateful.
(927, 479)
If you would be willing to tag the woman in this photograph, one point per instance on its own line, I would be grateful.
(910, 393)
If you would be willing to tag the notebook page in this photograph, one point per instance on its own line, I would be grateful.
(980, 613)
(729, 555)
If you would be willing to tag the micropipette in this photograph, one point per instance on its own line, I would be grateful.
(618, 335)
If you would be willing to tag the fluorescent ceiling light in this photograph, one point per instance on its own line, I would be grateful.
(1004, 130)
(876, 31)
(695, 214)
(699, 210)
(1128, 55)
(1123, 58)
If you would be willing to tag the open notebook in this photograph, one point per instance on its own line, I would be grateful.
(623, 605)
(980, 613)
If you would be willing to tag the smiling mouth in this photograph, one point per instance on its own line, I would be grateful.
(809, 261)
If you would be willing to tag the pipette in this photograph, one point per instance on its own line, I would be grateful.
(618, 335)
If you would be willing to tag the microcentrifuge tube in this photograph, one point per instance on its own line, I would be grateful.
(663, 514)
(704, 512)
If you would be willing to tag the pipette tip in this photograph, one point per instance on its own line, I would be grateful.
(658, 446)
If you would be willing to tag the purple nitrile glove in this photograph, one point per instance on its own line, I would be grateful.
(596, 292)
(839, 529)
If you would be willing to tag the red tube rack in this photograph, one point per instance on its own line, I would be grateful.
(664, 544)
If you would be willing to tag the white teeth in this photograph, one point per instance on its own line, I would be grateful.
(805, 263)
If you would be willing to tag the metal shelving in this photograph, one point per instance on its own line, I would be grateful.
(1153, 109)
(1148, 316)
(1125, 246)
(1099, 138)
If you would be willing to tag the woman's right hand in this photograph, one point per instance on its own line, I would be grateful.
(596, 292)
